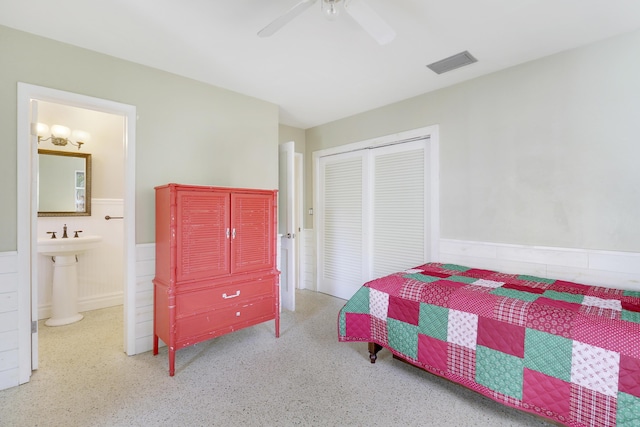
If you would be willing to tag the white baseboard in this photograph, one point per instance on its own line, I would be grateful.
(591, 267)
(95, 302)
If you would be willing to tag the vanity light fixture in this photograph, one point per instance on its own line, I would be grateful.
(59, 135)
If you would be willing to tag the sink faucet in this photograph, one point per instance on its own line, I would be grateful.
(64, 232)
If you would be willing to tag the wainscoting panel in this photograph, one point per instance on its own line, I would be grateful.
(9, 375)
(591, 267)
(145, 272)
(308, 257)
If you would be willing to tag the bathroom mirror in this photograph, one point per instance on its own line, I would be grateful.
(64, 183)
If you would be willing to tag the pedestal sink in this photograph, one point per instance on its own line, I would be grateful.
(64, 303)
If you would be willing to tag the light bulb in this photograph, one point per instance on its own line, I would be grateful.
(330, 9)
(42, 130)
(60, 131)
(81, 136)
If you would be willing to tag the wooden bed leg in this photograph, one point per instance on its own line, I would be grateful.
(373, 351)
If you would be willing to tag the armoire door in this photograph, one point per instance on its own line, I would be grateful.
(203, 234)
(252, 238)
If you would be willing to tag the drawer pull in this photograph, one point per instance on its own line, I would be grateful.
(237, 294)
(237, 314)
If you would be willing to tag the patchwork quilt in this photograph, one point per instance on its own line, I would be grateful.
(565, 351)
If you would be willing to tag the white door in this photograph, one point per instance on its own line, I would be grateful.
(373, 215)
(286, 221)
(340, 225)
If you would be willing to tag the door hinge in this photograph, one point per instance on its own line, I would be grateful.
(34, 326)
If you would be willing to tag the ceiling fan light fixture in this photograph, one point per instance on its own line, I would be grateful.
(330, 9)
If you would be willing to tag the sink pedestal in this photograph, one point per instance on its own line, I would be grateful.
(64, 291)
(64, 299)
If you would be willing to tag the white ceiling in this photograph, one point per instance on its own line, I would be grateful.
(318, 71)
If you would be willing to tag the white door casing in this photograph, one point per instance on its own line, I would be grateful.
(388, 229)
(27, 214)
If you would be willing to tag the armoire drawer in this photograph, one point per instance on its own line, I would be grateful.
(218, 319)
(189, 303)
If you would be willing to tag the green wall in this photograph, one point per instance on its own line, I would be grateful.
(544, 153)
(187, 131)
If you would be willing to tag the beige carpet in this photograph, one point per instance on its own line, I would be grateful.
(248, 378)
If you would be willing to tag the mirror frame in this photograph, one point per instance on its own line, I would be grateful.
(87, 178)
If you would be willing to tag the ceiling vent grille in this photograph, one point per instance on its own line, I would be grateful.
(452, 62)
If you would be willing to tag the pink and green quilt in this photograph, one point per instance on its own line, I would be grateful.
(565, 351)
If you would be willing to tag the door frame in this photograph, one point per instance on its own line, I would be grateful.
(433, 154)
(27, 238)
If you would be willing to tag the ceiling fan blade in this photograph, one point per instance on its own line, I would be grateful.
(283, 19)
(370, 21)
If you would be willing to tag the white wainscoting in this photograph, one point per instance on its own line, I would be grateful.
(591, 267)
(308, 260)
(8, 320)
(100, 270)
(145, 272)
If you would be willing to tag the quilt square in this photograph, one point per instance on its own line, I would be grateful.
(547, 393)
(590, 408)
(513, 293)
(357, 326)
(420, 277)
(499, 371)
(433, 321)
(379, 331)
(359, 302)
(378, 304)
(548, 354)
(479, 273)
(404, 310)
(462, 329)
(630, 316)
(473, 299)
(488, 283)
(554, 320)
(524, 288)
(412, 290)
(501, 336)
(595, 368)
(612, 304)
(437, 295)
(511, 310)
(628, 411)
(536, 279)
(461, 361)
(568, 287)
(629, 381)
(433, 352)
(403, 337)
(563, 296)
(601, 312)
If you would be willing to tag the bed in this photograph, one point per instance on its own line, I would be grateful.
(561, 350)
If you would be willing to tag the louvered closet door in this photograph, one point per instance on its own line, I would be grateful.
(398, 213)
(373, 215)
(252, 240)
(203, 248)
(340, 266)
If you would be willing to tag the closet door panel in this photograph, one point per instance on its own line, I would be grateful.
(341, 230)
(398, 220)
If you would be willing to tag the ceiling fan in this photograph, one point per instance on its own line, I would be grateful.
(368, 19)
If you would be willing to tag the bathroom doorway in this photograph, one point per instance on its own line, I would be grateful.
(29, 99)
(100, 270)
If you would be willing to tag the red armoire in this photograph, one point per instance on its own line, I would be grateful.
(215, 263)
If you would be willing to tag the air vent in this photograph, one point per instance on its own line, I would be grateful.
(452, 62)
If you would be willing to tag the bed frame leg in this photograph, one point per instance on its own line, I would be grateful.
(373, 351)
